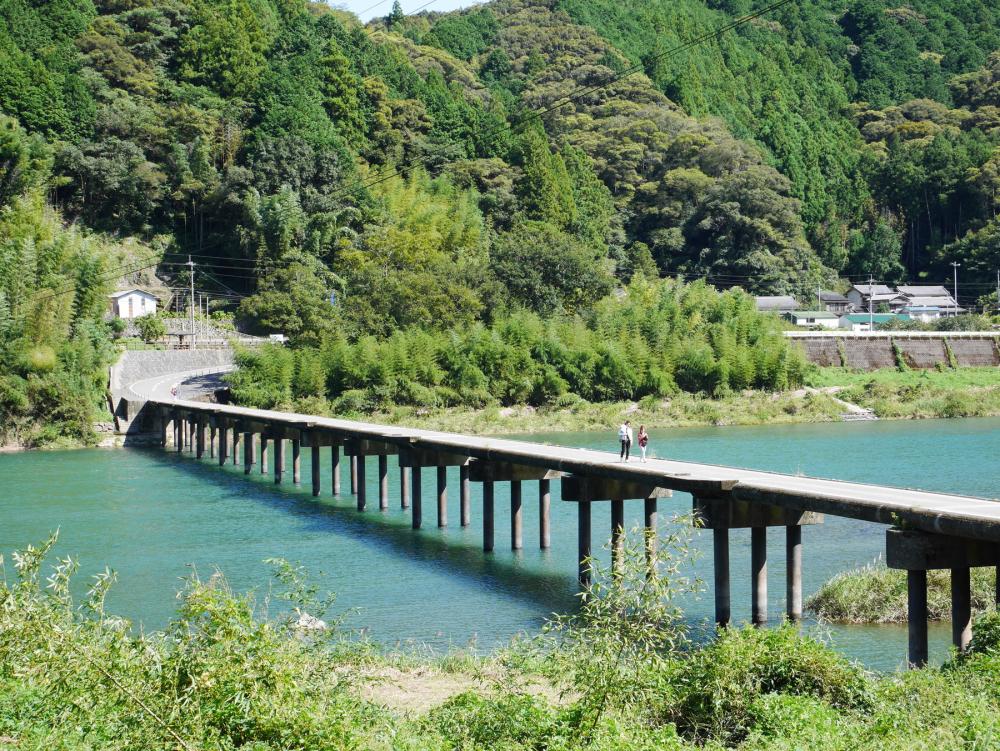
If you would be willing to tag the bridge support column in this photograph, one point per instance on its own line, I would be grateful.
(383, 482)
(279, 459)
(211, 441)
(719, 511)
(650, 529)
(335, 469)
(165, 428)
(296, 461)
(354, 475)
(758, 573)
(488, 518)
(199, 437)
(617, 538)
(248, 452)
(516, 526)
(723, 606)
(223, 444)
(176, 424)
(583, 543)
(442, 496)
(263, 453)
(361, 480)
(793, 568)
(317, 477)
(418, 498)
(465, 491)
(916, 617)
(961, 608)
(236, 445)
(917, 553)
(544, 514)
(404, 488)
(192, 432)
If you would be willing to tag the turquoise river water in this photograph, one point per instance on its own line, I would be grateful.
(154, 516)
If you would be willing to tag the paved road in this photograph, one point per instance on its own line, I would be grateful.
(935, 512)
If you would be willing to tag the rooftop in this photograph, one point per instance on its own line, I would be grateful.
(813, 314)
(923, 290)
(877, 289)
(874, 317)
(832, 297)
(776, 302)
(136, 290)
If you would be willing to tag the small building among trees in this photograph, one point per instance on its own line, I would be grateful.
(133, 303)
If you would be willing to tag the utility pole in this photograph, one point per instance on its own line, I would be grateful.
(998, 290)
(871, 295)
(954, 266)
(190, 265)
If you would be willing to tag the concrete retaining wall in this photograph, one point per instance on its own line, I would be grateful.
(869, 354)
(876, 351)
(922, 353)
(975, 351)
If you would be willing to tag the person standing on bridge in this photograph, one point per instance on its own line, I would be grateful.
(625, 437)
(173, 392)
(643, 441)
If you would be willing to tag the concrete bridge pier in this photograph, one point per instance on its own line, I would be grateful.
(223, 442)
(418, 496)
(236, 443)
(263, 453)
(335, 468)
(200, 437)
(317, 477)
(544, 514)
(358, 449)
(175, 424)
(279, 458)
(354, 475)
(383, 482)
(720, 512)
(585, 491)
(404, 488)
(489, 472)
(192, 432)
(249, 453)
(516, 525)
(416, 458)
(465, 493)
(650, 523)
(442, 496)
(297, 461)
(488, 515)
(211, 439)
(361, 481)
(919, 552)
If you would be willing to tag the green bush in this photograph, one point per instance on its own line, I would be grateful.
(719, 686)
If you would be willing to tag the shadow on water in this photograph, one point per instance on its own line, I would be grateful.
(557, 592)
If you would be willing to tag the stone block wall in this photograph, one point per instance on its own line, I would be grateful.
(871, 353)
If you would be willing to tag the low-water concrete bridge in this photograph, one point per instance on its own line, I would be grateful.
(928, 530)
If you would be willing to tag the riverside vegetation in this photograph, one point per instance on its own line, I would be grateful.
(391, 179)
(230, 672)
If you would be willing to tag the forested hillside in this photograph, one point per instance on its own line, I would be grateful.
(441, 170)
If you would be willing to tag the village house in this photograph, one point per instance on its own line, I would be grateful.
(833, 302)
(132, 303)
(779, 304)
(928, 302)
(877, 295)
(814, 318)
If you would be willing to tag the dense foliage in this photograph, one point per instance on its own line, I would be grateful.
(657, 338)
(54, 281)
(226, 674)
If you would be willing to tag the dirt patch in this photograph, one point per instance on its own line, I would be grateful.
(413, 692)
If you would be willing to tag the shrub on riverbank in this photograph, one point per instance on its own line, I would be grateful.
(228, 674)
(877, 594)
(658, 339)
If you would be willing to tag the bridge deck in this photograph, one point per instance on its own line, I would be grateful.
(962, 516)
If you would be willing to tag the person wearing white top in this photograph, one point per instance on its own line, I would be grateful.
(625, 438)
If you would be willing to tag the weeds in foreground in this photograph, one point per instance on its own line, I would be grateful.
(226, 676)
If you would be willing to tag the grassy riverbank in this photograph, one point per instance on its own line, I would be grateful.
(891, 394)
(877, 594)
(231, 673)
